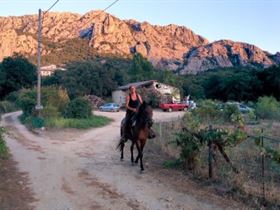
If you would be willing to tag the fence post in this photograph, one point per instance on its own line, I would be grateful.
(210, 167)
(160, 131)
(263, 181)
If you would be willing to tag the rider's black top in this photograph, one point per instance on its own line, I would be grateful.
(133, 104)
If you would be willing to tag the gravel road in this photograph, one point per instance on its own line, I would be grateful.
(81, 170)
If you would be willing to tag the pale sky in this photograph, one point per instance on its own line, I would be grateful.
(253, 21)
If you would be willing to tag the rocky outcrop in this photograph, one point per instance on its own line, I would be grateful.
(224, 53)
(11, 42)
(276, 58)
(168, 46)
(162, 45)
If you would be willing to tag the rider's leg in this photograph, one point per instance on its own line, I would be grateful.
(151, 134)
(127, 126)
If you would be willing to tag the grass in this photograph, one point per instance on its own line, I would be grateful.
(92, 122)
(246, 157)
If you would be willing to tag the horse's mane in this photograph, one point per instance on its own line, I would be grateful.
(141, 118)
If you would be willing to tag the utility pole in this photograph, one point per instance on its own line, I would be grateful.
(39, 106)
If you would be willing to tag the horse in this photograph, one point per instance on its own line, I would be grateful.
(140, 132)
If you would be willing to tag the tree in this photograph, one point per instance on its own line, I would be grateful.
(141, 69)
(88, 78)
(270, 79)
(16, 72)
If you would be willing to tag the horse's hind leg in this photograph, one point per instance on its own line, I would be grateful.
(131, 151)
(121, 148)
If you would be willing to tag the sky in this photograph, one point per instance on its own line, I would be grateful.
(253, 21)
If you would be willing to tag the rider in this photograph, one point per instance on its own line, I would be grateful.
(133, 101)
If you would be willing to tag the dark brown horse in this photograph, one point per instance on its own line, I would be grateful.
(139, 132)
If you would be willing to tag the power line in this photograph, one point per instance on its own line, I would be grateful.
(45, 12)
(51, 6)
(99, 12)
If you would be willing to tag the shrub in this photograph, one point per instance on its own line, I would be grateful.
(6, 106)
(230, 111)
(208, 111)
(56, 97)
(268, 108)
(54, 100)
(78, 108)
(37, 122)
(3, 147)
(12, 97)
(27, 101)
(50, 111)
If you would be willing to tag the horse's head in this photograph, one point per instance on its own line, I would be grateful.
(145, 113)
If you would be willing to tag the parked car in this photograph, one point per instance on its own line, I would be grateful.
(110, 107)
(241, 107)
(174, 107)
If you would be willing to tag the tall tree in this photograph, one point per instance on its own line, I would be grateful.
(16, 73)
(141, 69)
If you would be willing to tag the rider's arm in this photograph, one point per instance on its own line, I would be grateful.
(140, 99)
(127, 106)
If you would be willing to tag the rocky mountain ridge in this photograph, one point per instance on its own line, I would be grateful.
(225, 53)
(172, 47)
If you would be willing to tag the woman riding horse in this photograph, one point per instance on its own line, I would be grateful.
(133, 102)
(141, 131)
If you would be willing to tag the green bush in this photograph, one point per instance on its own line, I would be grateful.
(268, 108)
(3, 148)
(54, 100)
(37, 122)
(6, 106)
(12, 97)
(27, 101)
(78, 108)
(208, 111)
(55, 97)
(230, 111)
(50, 111)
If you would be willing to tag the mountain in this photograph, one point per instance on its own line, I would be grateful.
(106, 34)
(70, 36)
(225, 53)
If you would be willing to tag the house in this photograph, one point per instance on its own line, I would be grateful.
(49, 70)
(164, 92)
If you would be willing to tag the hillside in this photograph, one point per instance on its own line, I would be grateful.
(70, 36)
(225, 53)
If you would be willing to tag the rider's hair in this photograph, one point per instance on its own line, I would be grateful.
(131, 86)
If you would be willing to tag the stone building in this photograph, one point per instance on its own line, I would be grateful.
(149, 90)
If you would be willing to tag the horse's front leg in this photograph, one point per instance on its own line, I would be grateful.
(138, 149)
(142, 142)
(131, 151)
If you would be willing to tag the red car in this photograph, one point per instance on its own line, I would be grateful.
(174, 107)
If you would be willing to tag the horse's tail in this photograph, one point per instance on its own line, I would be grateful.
(122, 140)
(120, 144)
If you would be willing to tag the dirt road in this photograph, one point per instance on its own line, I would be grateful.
(78, 170)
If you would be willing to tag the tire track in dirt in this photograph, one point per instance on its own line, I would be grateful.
(82, 170)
